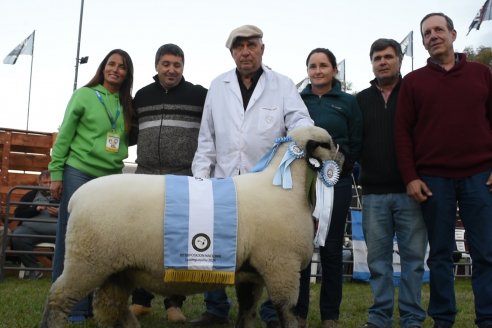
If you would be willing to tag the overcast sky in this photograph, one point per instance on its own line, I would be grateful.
(291, 29)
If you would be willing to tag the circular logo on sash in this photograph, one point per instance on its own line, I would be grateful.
(200, 242)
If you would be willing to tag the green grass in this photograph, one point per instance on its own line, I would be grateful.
(22, 301)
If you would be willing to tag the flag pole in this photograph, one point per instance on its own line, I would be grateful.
(30, 81)
(344, 80)
(412, 49)
(77, 60)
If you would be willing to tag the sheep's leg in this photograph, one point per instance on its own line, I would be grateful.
(282, 283)
(61, 299)
(79, 278)
(248, 295)
(56, 309)
(111, 303)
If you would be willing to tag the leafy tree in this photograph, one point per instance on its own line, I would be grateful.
(481, 55)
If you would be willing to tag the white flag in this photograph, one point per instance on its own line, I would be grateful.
(485, 13)
(407, 45)
(26, 47)
(341, 71)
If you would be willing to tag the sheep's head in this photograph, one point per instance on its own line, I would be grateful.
(313, 143)
(318, 146)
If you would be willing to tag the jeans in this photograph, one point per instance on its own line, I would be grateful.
(27, 244)
(475, 209)
(217, 303)
(385, 215)
(72, 180)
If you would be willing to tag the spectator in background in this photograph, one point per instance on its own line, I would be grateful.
(387, 210)
(443, 134)
(92, 142)
(34, 228)
(245, 110)
(167, 119)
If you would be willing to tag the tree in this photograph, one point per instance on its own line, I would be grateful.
(480, 55)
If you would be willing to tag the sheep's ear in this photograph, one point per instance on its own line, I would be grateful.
(311, 145)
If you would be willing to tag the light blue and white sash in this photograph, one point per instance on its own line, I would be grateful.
(200, 230)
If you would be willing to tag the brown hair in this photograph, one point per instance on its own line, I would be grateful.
(126, 86)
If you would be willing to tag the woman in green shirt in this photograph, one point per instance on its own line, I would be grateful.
(92, 142)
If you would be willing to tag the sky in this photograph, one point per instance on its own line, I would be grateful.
(291, 30)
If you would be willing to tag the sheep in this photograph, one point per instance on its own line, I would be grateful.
(114, 240)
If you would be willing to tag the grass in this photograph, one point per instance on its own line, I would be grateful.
(22, 301)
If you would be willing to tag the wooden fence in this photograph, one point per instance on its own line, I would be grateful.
(23, 155)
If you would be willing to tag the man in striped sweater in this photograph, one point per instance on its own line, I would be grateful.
(168, 113)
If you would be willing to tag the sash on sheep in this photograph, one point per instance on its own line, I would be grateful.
(200, 231)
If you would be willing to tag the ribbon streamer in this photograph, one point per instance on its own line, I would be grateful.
(283, 176)
(323, 210)
(267, 158)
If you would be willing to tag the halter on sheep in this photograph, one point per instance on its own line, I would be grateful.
(113, 249)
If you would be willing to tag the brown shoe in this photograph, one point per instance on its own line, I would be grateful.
(209, 319)
(329, 324)
(175, 315)
(140, 310)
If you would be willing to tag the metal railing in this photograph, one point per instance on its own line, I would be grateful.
(5, 251)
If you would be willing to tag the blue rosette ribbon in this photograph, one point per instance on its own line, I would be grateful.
(330, 173)
(328, 176)
(283, 175)
(267, 158)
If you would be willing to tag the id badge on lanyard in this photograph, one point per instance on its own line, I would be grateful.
(112, 138)
(112, 142)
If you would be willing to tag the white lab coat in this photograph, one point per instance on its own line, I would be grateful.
(231, 140)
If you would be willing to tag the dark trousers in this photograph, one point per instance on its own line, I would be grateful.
(142, 297)
(475, 208)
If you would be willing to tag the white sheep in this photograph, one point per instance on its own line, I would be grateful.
(114, 240)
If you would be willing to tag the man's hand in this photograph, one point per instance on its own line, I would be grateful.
(489, 182)
(418, 190)
(56, 189)
(53, 211)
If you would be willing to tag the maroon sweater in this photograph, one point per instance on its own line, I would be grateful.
(443, 122)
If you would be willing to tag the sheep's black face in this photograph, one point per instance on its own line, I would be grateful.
(325, 158)
(314, 162)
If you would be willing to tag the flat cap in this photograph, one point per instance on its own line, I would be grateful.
(245, 31)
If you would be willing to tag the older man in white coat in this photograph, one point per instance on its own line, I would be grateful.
(245, 110)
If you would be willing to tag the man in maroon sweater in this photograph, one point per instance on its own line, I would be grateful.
(443, 136)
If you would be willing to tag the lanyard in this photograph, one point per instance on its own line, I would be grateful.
(110, 116)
